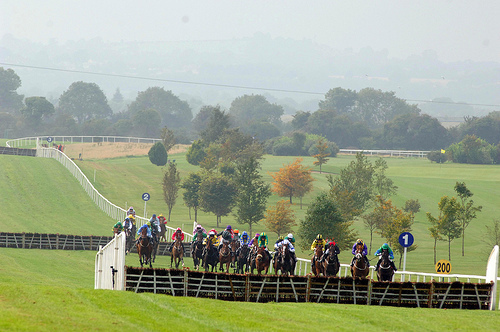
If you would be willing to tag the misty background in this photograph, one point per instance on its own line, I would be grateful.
(447, 51)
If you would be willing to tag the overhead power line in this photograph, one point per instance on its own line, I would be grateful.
(219, 85)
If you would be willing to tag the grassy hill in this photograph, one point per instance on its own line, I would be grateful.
(53, 290)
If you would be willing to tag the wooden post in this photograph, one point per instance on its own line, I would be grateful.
(186, 279)
(24, 238)
(308, 288)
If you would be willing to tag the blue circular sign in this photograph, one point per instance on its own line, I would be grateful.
(50, 139)
(146, 196)
(406, 239)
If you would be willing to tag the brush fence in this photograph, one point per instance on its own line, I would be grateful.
(276, 288)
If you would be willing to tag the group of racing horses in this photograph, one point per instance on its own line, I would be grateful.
(247, 259)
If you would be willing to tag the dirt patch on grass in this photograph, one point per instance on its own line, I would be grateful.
(106, 150)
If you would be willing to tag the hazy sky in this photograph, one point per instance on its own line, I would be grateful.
(456, 30)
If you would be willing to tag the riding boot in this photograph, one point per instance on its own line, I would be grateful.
(367, 261)
(378, 264)
(352, 261)
(393, 266)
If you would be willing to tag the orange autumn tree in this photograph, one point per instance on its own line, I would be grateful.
(293, 180)
(280, 218)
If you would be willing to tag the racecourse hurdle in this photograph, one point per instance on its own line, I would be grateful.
(277, 288)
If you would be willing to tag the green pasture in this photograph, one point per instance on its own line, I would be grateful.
(53, 290)
(47, 290)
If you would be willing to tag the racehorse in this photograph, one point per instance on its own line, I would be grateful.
(286, 261)
(155, 245)
(177, 253)
(144, 248)
(197, 252)
(163, 230)
(242, 259)
(252, 255)
(235, 244)
(129, 242)
(317, 267)
(359, 268)
(385, 271)
(225, 256)
(331, 264)
(262, 260)
(209, 256)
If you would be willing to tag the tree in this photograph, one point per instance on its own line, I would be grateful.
(493, 234)
(36, 111)
(217, 125)
(147, 123)
(472, 150)
(467, 210)
(383, 211)
(323, 217)
(217, 195)
(171, 181)
(85, 101)
(340, 100)
(322, 155)
(299, 120)
(191, 186)
(10, 100)
(435, 233)
(363, 181)
(196, 153)
(255, 108)
(174, 112)
(167, 138)
(157, 154)
(446, 223)
(253, 193)
(280, 219)
(117, 97)
(292, 180)
(200, 121)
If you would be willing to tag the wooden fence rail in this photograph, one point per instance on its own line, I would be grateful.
(277, 288)
(69, 242)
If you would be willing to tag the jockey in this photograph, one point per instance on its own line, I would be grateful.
(127, 224)
(177, 235)
(290, 238)
(162, 219)
(277, 244)
(227, 236)
(212, 238)
(244, 239)
(199, 233)
(365, 251)
(199, 227)
(286, 242)
(331, 246)
(254, 240)
(263, 243)
(385, 246)
(155, 225)
(148, 230)
(131, 217)
(318, 241)
(118, 226)
(236, 235)
(131, 211)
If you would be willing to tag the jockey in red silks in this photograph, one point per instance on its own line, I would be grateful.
(177, 235)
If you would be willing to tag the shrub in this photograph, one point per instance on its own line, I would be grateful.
(437, 157)
(158, 155)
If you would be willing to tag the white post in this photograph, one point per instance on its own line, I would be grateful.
(492, 275)
(404, 266)
(145, 208)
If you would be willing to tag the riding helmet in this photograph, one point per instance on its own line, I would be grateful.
(385, 246)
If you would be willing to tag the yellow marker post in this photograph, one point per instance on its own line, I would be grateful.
(443, 267)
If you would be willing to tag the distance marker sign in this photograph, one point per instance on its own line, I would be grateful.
(443, 267)
(146, 197)
(406, 239)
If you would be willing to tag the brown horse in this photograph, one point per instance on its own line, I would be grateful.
(225, 256)
(331, 264)
(385, 270)
(242, 259)
(177, 253)
(144, 248)
(262, 260)
(360, 268)
(234, 245)
(197, 252)
(163, 230)
(252, 255)
(210, 256)
(284, 261)
(317, 267)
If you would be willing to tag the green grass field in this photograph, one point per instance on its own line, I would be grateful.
(53, 290)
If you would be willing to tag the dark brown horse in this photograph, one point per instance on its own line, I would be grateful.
(234, 245)
(210, 256)
(360, 268)
(197, 252)
(177, 253)
(129, 242)
(317, 267)
(285, 261)
(225, 256)
(242, 259)
(252, 255)
(331, 264)
(262, 260)
(385, 270)
(163, 230)
(144, 248)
